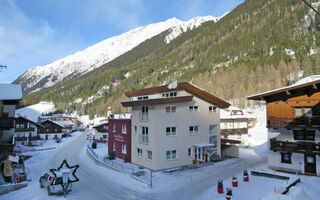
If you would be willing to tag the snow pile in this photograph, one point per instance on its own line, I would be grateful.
(33, 112)
(10, 92)
(104, 52)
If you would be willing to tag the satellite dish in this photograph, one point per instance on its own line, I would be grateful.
(173, 85)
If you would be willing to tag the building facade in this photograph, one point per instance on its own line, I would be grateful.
(174, 125)
(234, 124)
(50, 130)
(10, 96)
(26, 131)
(293, 121)
(102, 131)
(120, 136)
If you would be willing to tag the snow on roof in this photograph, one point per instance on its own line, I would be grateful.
(48, 120)
(10, 91)
(121, 116)
(226, 113)
(305, 80)
(33, 112)
(64, 123)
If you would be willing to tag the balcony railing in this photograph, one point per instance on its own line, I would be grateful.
(27, 138)
(295, 146)
(6, 148)
(24, 129)
(6, 123)
(233, 131)
(301, 122)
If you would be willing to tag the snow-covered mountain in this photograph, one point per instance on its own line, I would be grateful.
(103, 52)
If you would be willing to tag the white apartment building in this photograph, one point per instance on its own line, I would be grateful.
(174, 125)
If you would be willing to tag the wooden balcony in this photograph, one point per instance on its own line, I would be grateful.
(295, 146)
(24, 129)
(234, 131)
(6, 148)
(289, 123)
(27, 138)
(6, 123)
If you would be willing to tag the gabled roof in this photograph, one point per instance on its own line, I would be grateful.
(10, 91)
(26, 119)
(307, 85)
(53, 123)
(188, 87)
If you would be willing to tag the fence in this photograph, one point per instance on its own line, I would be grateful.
(138, 173)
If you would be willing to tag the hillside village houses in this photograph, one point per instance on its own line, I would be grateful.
(293, 121)
(174, 125)
(27, 131)
(101, 129)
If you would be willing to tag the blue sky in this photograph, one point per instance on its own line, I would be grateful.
(38, 32)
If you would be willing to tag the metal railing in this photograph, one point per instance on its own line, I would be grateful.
(140, 174)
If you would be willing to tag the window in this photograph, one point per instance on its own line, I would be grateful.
(212, 109)
(114, 128)
(171, 131)
(214, 140)
(114, 147)
(193, 108)
(171, 155)
(189, 152)
(135, 130)
(149, 155)
(286, 158)
(304, 135)
(124, 149)
(104, 126)
(308, 112)
(143, 97)
(170, 109)
(213, 130)
(144, 137)
(21, 125)
(169, 94)
(144, 113)
(298, 112)
(139, 152)
(124, 128)
(193, 130)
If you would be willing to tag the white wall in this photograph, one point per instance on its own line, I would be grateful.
(297, 162)
(159, 143)
(50, 136)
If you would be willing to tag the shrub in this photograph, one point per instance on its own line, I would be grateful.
(112, 155)
(94, 145)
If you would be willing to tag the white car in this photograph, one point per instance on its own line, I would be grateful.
(53, 183)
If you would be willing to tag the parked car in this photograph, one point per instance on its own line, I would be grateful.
(53, 183)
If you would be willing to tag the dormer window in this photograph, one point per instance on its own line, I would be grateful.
(143, 97)
(169, 94)
(212, 109)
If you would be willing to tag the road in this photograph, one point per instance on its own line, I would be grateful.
(93, 185)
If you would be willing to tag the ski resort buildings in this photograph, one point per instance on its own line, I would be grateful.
(10, 96)
(293, 119)
(101, 131)
(174, 125)
(26, 131)
(119, 140)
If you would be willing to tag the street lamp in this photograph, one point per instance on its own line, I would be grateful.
(65, 179)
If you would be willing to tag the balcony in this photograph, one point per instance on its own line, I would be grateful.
(6, 148)
(27, 138)
(301, 122)
(295, 147)
(234, 131)
(6, 123)
(24, 129)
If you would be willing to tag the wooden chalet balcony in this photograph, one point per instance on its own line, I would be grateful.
(6, 148)
(27, 138)
(6, 123)
(233, 131)
(301, 122)
(24, 129)
(295, 147)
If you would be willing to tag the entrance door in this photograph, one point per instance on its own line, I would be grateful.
(46, 137)
(310, 164)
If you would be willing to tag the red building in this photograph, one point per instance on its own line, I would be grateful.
(120, 136)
